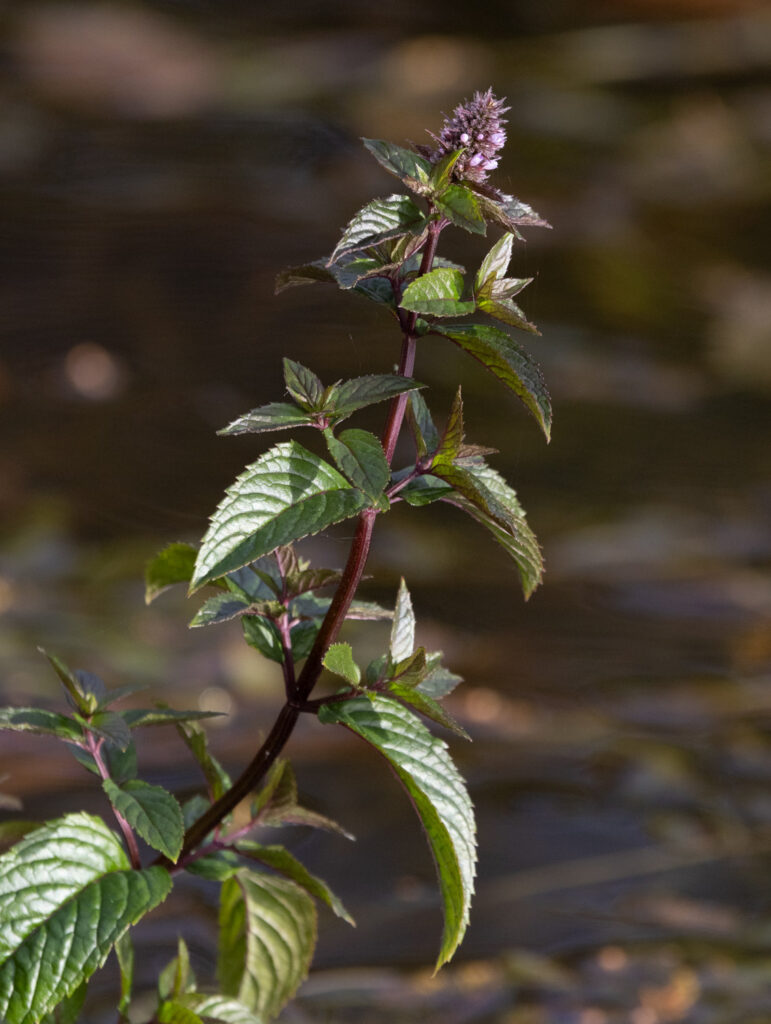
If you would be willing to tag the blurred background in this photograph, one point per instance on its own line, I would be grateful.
(159, 163)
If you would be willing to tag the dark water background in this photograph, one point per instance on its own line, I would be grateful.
(160, 163)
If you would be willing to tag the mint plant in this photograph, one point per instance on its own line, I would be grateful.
(71, 889)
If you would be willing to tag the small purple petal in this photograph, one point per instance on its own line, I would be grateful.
(464, 137)
(490, 165)
(476, 160)
(498, 138)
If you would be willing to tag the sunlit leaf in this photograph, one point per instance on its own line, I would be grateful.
(427, 706)
(219, 608)
(67, 894)
(303, 385)
(408, 166)
(437, 294)
(273, 416)
(216, 1008)
(496, 262)
(459, 205)
(41, 721)
(438, 793)
(339, 660)
(173, 565)
(403, 629)
(351, 395)
(379, 221)
(286, 494)
(267, 937)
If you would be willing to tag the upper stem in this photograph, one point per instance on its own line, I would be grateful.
(338, 609)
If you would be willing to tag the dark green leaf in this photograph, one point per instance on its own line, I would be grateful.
(137, 718)
(311, 579)
(308, 273)
(303, 385)
(174, 564)
(427, 706)
(263, 635)
(220, 608)
(303, 636)
(439, 681)
(69, 1009)
(351, 395)
(67, 894)
(280, 859)
(508, 361)
(438, 793)
(379, 221)
(359, 455)
(437, 294)
(151, 811)
(111, 726)
(267, 936)
(121, 764)
(286, 494)
(508, 211)
(515, 536)
(410, 670)
(277, 803)
(339, 660)
(77, 698)
(495, 264)
(496, 301)
(217, 778)
(403, 628)
(422, 426)
(38, 720)
(273, 416)
(459, 205)
(412, 169)
(424, 490)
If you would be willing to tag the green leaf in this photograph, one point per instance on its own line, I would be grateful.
(496, 262)
(409, 167)
(67, 894)
(78, 698)
(438, 793)
(263, 635)
(442, 172)
(452, 438)
(508, 361)
(151, 811)
(459, 205)
(280, 859)
(173, 1012)
(12, 831)
(403, 629)
(351, 395)
(428, 706)
(496, 301)
(40, 721)
(339, 659)
(267, 936)
(510, 212)
(68, 1010)
(137, 718)
(215, 1008)
(411, 670)
(195, 740)
(177, 976)
(124, 952)
(360, 456)
(174, 564)
(439, 681)
(219, 608)
(111, 726)
(509, 527)
(311, 579)
(425, 490)
(286, 494)
(273, 416)
(277, 803)
(307, 273)
(121, 764)
(437, 294)
(422, 426)
(379, 221)
(303, 385)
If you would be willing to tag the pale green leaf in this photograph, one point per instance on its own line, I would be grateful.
(339, 660)
(442, 172)
(124, 952)
(41, 721)
(281, 860)
(67, 894)
(452, 438)
(506, 360)
(286, 494)
(438, 793)
(195, 739)
(151, 811)
(137, 718)
(217, 1008)
(303, 385)
(403, 628)
(437, 294)
(496, 262)
(177, 976)
(267, 937)
(421, 424)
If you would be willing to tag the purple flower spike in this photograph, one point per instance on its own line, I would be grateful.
(477, 127)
